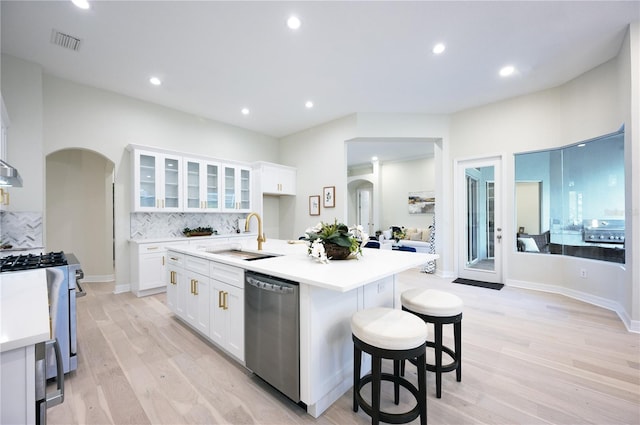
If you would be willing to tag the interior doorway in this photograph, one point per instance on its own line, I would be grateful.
(79, 210)
(364, 208)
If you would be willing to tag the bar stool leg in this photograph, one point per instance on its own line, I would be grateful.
(396, 385)
(422, 387)
(457, 330)
(376, 372)
(357, 360)
(438, 354)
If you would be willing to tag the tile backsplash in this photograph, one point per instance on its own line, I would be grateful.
(162, 225)
(21, 229)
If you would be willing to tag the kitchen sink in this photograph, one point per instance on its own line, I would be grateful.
(242, 255)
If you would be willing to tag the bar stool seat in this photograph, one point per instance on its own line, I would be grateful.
(440, 308)
(390, 334)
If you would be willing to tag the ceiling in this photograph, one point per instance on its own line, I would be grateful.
(215, 58)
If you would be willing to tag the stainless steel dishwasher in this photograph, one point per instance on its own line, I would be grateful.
(272, 331)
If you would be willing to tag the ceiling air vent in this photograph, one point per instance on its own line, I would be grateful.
(65, 40)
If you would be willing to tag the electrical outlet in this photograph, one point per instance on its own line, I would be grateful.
(381, 287)
(583, 273)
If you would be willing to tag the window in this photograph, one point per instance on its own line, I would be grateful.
(571, 200)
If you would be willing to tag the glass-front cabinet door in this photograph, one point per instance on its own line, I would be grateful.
(237, 188)
(158, 182)
(202, 186)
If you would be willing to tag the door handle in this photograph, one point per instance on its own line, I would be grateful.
(56, 397)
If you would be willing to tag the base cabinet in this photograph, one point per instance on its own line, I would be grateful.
(209, 297)
(227, 317)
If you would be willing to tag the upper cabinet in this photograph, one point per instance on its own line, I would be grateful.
(276, 179)
(202, 186)
(166, 181)
(236, 184)
(157, 181)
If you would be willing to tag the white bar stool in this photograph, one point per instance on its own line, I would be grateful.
(440, 308)
(390, 334)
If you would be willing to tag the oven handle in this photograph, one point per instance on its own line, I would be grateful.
(56, 397)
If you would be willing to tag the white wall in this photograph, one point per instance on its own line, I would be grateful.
(21, 86)
(398, 179)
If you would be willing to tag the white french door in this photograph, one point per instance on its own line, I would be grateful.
(479, 217)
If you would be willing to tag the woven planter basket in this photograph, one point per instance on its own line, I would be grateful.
(336, 252)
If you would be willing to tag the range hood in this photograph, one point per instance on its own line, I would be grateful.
(9, 176)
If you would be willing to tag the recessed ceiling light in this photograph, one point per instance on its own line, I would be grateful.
(507, 70)
(438, 48)
(82, 4)
(308, 104)
(245, 111)
(155, 81)
(374, 158)
(293, 22)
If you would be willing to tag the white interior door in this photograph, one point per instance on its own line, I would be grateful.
(479, 218)
(364, 210)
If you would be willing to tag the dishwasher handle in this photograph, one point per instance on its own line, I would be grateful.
(271, 287)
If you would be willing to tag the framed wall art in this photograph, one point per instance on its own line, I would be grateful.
(329, 197)
(314, 205)
(422, 203)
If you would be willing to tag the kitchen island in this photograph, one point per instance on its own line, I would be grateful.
(329, 295)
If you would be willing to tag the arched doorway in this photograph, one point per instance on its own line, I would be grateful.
(79, 210)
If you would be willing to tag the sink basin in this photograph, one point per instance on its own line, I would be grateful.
(242, 255)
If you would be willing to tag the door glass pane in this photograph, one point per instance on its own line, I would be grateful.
(171, 182)
(245, 185)
(480, 237)
(193, 184)
(212, 186)
(147, 181)
(229, 187)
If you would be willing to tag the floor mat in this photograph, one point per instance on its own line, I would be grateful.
(489, 285)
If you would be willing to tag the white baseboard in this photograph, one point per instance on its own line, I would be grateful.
(631, 325)
(119, 289)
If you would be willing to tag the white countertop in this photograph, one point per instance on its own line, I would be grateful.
(294, 264)
(24, 309)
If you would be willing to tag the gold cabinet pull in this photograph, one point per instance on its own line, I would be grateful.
(163, 260)
(195, 287)
(220, 305)
(226, 305)
(151, 248)
(173, 258)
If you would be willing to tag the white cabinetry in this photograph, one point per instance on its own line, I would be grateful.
(236, 185)
(157, 181)
(276, 179)
(148, 267)
(209, 297)
(227, 308)
(201, 185)
(176, 301)
(17, 385)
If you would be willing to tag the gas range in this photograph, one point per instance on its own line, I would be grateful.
(14, 263)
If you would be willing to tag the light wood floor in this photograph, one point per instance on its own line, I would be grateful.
(528, 358)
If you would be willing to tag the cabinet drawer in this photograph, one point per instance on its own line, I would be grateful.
(175, 259)
(151, 248)
(227, 274)
(198, 265)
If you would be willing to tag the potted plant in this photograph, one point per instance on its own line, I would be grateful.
(334, 241)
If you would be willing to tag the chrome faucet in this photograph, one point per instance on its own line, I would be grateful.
(261, 237)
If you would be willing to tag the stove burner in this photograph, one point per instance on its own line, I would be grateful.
(27, 262)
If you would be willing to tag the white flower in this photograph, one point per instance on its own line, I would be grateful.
(318, 252)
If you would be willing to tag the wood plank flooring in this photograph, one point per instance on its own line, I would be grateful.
(528, 358)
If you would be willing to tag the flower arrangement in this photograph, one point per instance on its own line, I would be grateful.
(327, 240)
